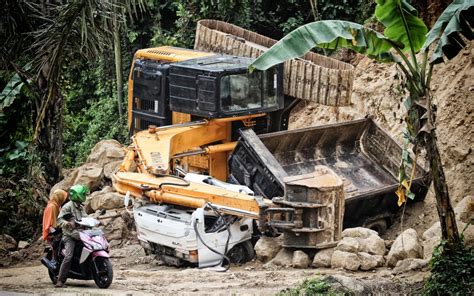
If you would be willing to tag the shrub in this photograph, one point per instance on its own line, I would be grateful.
(451, 273)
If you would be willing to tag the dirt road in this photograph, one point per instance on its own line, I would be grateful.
(146, 279)
(137, 274)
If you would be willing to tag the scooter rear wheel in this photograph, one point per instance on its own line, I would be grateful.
(103, 275)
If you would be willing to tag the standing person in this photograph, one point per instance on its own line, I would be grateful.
(50, 216)
(70, 212)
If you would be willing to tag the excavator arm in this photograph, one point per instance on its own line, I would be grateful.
(160, 152)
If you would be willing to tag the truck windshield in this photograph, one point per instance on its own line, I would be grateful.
(248, 91)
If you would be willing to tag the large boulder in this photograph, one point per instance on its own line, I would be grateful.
(432, 237)
(433, 232)
(346, 260)
(361, 239)
(358, 232)
(22, 245)
(89, 174)
(348, 244)
(323, 258)
(266, 248)
(117, 227)
(107, 201)
(406, 245)
(111, 168)
(410, 264)
(467, 231)
(284, 258)
(465, 209)
(95, 196)
(65, 183)
(106, 151)
(429, 246)
(369, 262)
(7, 243)
(345, 285)
(373, 245)
(300, 259)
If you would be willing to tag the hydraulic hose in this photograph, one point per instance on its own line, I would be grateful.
(224, 257)
(185, 184)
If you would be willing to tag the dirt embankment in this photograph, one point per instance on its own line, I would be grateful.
(375, 94)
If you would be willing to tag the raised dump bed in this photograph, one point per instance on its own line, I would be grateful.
(365, 157)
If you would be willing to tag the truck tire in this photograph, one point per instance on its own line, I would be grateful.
(241, 253)
(379, 225)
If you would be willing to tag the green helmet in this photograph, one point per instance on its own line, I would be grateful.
(77, 193)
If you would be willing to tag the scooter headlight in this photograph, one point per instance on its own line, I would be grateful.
(95, 246)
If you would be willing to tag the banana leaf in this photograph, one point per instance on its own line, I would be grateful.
(328, 34)
(454, 24)
(10, 91)
(402, 23)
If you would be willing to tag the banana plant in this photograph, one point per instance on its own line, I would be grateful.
(404, 36)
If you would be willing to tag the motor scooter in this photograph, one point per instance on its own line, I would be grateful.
(91, 259)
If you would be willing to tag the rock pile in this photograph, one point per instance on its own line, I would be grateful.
(104, 160)
(407, 245)
(464, 212)
(360, 248)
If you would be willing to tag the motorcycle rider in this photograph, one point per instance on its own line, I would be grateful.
(50, 215)
(70, 212)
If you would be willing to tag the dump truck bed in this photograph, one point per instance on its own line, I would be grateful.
(364, 156)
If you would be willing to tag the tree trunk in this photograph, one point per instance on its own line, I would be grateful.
(118, 66)
(50, 140)
(449, 229)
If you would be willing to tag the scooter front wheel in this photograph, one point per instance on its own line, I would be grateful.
(103, 273)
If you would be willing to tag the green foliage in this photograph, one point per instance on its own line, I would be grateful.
(14, 158)
(310, 286)
(97, 122)
(452, 271)
(402, 23)
(349, 10)
(291, 24)
(11, 91)
(91, 115)
(327, 35)
(20, 213)
(456, 21)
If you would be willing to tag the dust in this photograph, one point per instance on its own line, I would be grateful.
(376, 94)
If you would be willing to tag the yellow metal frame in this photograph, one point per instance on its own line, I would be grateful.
(162, 54)
(195, 195)
(154, 149)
